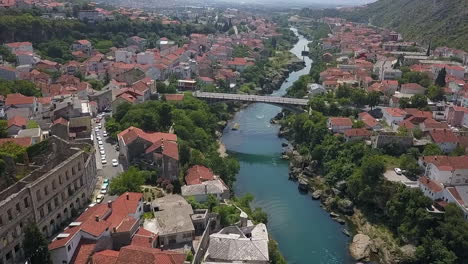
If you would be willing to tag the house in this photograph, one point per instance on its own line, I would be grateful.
(83, 45)
(172, 222)
(430, 188)
(457, 116)
(339, 124)
(431, 124)
(100, 227)
(445, 139)
(159, 148)
(137, 41)
(393, 116)
(201, 191)
(412, 88)
(102, 98)
(48, 65)
(369, 121)
(186, 85)
(25, 58)
(34, 133)
(246, 243)
(239, 64)
(357, 134)
(447, 170)
(19, 46)
(18, 100)
(15, 124)
(60, 128)
(90, 16)
(24, 142)
(138, 254)
(8, 73)
(198, 174)
(315, 89)
(174, 97)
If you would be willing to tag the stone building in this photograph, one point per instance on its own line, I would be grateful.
(62, 179)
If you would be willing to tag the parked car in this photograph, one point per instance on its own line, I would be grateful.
(99, 198)
(104, 161)
(102, 152)
(99, 126)
(101, 147)
(115, 163)
(104, 134)
(96, 129)
(100, 142)
(106, 181)
(103, 191)
(398, 171)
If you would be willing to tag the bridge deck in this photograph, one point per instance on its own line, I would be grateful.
(252, 98)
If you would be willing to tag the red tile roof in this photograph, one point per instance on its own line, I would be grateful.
(61, 120)
(18, 99)
(395, 112)
(169, 148)
(341, 121)
(456, 195)
(18, 121)
(18, 44)
(447, 163)
(105, 257)
(24, 142)
(418, 113)
(443, 135)
(370, 121)
(132, 133)
(433, 124)
(432, 185)
(143, 255)
(198, 174)
(143, 238)
(412, 86)
(83, 251)
(83, 42)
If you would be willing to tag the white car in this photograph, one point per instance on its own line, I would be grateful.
(103, 161)
(101, 147)
(98, 138)
(103, 191)
(398, 171)
(100, 142)
(102, 152)
(103, 156)
(104, 134)
(115, 163)
(99, 126)
(96, 129)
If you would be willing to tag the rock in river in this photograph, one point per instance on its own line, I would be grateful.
(316, 195)
(360, 247)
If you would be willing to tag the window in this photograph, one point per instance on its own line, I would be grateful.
(49, 207)
(54, 185)
(79, 166)
(41, 211)
(46, 190)
(8, 256)
(17, 248)
(69, 247)
(73, 171)
(81, 181)
(67, 175)
(10, 216)
(18, 208)
(1, 220)
(60, 179)
(38, 195)
(26, 202)
(56, 201)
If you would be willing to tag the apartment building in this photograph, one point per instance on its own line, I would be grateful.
(58, 186)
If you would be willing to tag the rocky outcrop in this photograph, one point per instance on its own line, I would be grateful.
(345, 206)
(316, 195)
(360, 248)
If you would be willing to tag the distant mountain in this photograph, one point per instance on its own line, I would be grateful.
(445, 22)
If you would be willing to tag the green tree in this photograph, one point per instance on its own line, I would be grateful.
(32, 124)
(373, 99)
(435, 93)
(434, 251)
(432, 150)
(35, 246)
(418, 101)
(129, 181)
(440, 80)
(3, 128)
(404, 102)
(274, 253)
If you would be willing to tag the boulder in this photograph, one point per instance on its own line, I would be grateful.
(346, 207)
(309, 171)
(316, 195)
(360, 247)
(336, 191)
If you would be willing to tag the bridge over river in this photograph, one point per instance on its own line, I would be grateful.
(274, 100)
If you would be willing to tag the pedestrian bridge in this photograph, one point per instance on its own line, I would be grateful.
(274, 100)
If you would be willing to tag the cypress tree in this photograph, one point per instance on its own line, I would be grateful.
(440, 81)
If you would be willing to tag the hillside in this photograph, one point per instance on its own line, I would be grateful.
(443, 21)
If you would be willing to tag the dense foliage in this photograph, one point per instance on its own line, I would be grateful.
(403, 211)
(19, 86)
(131, 180)
(194, 122)
(35, 246)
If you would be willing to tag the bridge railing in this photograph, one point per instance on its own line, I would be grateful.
(251, 98)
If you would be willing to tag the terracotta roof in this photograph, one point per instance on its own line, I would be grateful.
(83, 251)
(24, 142)
(341, 121)
(44, 100)
(143, 238)
(456, 195)
(198, 174)
(443, 135)
(18, 121)
(18, 44)
(132, 133)
(434, 124)
(18, 99)
(412, 86)
(169, 148)
(174, 97)
(432, 185)
(84, 42)
(370, 121)
(447, 163)
(105, 257)
(418, 113)
(395, 112)
(61, 120)
(357, 132)
(144, 255)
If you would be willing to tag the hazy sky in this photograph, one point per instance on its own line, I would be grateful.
(305, 2)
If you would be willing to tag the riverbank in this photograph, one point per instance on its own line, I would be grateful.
(304, 232)
(371, 242)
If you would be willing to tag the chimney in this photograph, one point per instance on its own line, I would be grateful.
(114, 229)
(128, 196)
(97, 218)
(109, 204)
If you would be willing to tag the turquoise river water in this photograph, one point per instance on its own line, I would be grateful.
(304, 231)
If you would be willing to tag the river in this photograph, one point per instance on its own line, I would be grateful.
(304, 231)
